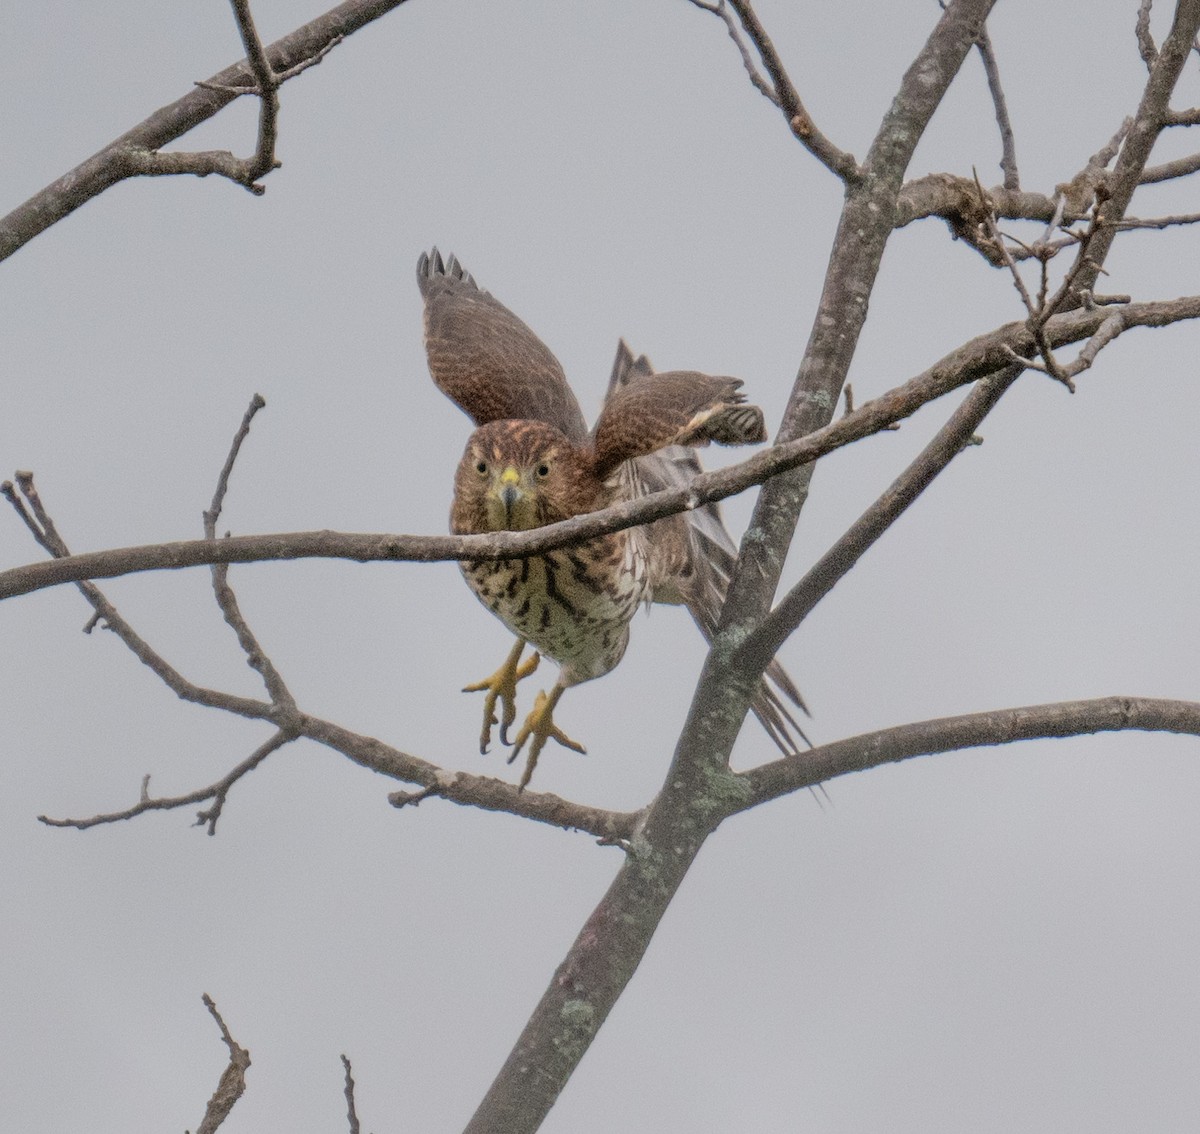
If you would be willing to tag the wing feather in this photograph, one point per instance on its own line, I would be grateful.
(485, 359)
(677, 407)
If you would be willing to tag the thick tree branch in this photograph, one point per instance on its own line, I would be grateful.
(863, 231)
(484, 792)
(973, 730)
(699, 788)
(128, 155)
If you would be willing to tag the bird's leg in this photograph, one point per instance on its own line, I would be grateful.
(502, 685)
(540, 725)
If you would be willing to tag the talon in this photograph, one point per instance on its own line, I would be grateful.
(510, 705)
(502, 686)
(541, 727)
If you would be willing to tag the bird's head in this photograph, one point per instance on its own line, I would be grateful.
(516, 475)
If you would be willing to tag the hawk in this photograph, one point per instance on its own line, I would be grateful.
(532, 461)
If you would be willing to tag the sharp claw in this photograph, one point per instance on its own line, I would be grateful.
(540, 726)
(502, 687)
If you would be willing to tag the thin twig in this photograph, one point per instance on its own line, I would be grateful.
(227, 602)
(351, 1109)
(303, 65)
(123, 157)
(1041, 310)
(1145, 40)
(268, 94)
(213, 514)
(1008, 145)
(1159, 222)
(42, 527)
(721, 10)
(780, 89)
(217, 792)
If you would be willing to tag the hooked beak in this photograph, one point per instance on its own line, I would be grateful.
(510, 490)
(508, 493)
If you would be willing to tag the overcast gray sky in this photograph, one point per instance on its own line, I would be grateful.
(991, 941)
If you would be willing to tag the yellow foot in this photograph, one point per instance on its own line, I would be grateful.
(502, 685)
(540, 725)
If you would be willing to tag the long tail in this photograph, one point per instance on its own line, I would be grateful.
(699, 575)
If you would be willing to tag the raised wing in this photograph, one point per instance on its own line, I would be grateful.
(692, 556)
(648, 412)
(484, 359)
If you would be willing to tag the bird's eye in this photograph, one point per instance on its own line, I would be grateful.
(543, 470)
(481, 468)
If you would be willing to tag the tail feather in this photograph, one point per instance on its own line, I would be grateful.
(700, 578)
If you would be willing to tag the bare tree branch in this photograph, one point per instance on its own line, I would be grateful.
(761, 646)
(721, 9)
(1008, 145)
(466, 789)
(867, 214)
(484, 792)
(1148, 123)
(1145, 40)
(44, 531)
(127, 155)
(233, 1079)
(973, 360)
(1159, 222)
(973, 730)
(780, 90)
(700, 791)
(351, 1109)
(256, 657)
(244, 171)
(699, 787)
(1170, 170)
(217, 792)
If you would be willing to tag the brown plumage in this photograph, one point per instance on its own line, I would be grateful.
(532, 462)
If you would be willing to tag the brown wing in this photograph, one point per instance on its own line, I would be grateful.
(692, 555)
(484, 359)
(677, 407)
